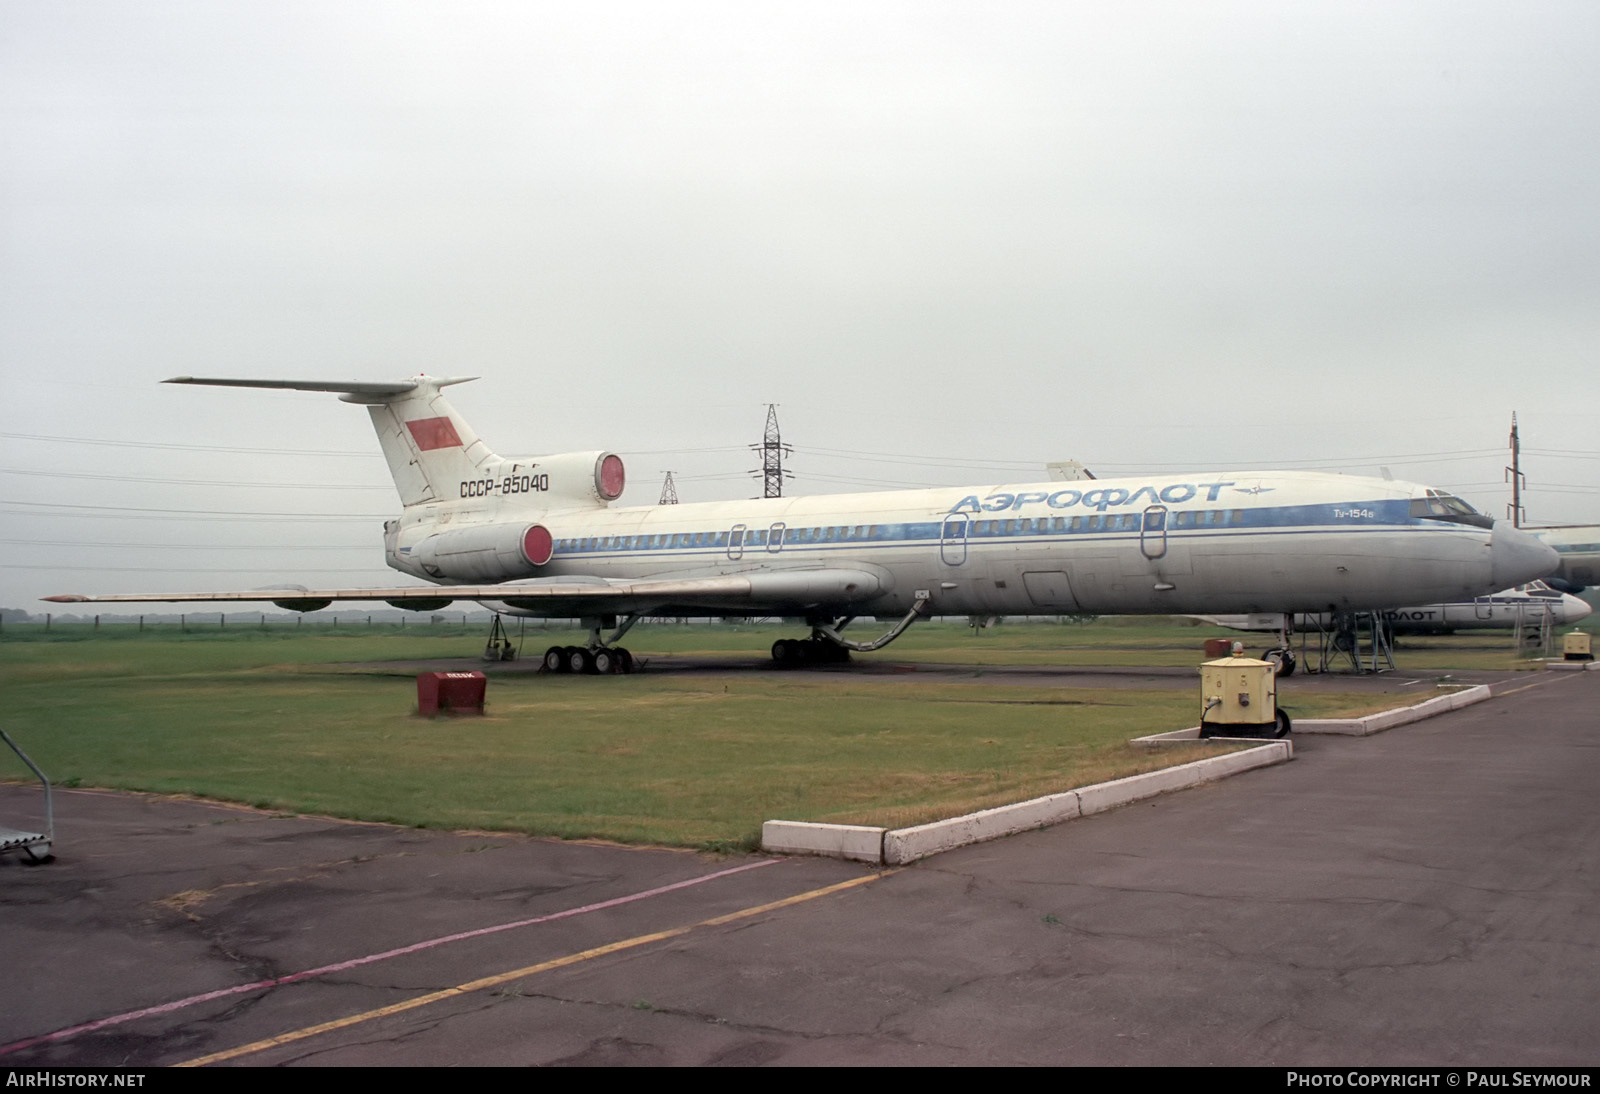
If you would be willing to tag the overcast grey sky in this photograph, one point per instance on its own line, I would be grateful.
(952, 241)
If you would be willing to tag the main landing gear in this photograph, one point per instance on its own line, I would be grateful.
(605, 661)
(794, 652)
(827, 646)
(601, 657)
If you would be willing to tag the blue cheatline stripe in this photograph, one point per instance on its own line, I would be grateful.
(1281, 520)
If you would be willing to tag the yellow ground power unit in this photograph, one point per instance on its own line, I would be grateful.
(1576, 647)
(1239, 698)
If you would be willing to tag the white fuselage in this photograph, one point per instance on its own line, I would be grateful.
(1578, 546)
(1234, 542)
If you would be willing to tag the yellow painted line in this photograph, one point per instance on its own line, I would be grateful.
(1525, 687)
(517, 974)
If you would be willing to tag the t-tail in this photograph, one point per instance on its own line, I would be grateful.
(435, 457)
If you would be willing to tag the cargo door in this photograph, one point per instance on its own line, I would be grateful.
(1050, 589)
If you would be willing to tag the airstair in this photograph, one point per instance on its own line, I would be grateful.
(1534, 633)
(33, 846)
(1362, 640)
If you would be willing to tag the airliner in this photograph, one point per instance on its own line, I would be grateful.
(538, 536)
(1504, 610)
(1578, 546)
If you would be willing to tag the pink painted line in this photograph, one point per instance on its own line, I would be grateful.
(341, 966)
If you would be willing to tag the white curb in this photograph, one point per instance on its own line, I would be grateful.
(902, 845)
(1389, 719)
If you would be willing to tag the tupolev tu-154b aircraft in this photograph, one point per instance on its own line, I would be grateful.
(539, 537)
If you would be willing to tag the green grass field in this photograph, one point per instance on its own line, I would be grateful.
(323, 722)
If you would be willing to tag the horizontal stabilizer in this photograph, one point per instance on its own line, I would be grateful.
(347, 387)
(352, 391)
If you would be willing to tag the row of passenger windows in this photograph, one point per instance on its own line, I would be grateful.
(757, 537)
(1111, 522)
(749, 537)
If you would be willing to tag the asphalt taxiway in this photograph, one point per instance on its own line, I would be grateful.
(1423, 896)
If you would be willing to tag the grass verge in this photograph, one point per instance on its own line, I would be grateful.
(276, 720)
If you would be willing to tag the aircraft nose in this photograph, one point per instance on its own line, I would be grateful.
(1516, 557)
(1573, 609)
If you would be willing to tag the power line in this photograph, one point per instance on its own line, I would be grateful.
(189, 447)
(190, 569)
(366, 547)
(109, 512)
(192, 482)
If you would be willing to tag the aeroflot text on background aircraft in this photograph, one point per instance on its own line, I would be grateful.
(539, 536)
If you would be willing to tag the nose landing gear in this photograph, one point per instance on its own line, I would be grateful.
(1283, 660)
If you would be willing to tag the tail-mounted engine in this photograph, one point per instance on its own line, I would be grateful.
(483, 553)
(568, 479)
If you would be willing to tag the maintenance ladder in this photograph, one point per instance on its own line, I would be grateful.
(34, 846)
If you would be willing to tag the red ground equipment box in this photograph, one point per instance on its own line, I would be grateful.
(451, 692)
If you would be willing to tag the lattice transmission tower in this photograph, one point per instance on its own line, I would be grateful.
(669, 491)
(772, 450)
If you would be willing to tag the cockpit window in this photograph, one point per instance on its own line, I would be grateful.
(1441, 506)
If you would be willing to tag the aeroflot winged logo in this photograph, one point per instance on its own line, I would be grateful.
(431, 433)
(1174, 494)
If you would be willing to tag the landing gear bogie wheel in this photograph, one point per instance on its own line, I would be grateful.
(555, 659)
(1282, 660)
(823, 652)
(580, 660)
(606, 662)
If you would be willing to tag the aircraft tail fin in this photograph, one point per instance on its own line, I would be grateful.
(430, 448)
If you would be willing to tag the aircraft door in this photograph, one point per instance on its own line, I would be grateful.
(736, 543)
(953, 539)
(1153, 532)
(775, 538)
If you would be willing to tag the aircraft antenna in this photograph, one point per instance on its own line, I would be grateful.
(772, 451)
(1515, 477)
(669, 491)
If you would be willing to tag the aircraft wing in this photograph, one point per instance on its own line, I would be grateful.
(766, 592)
